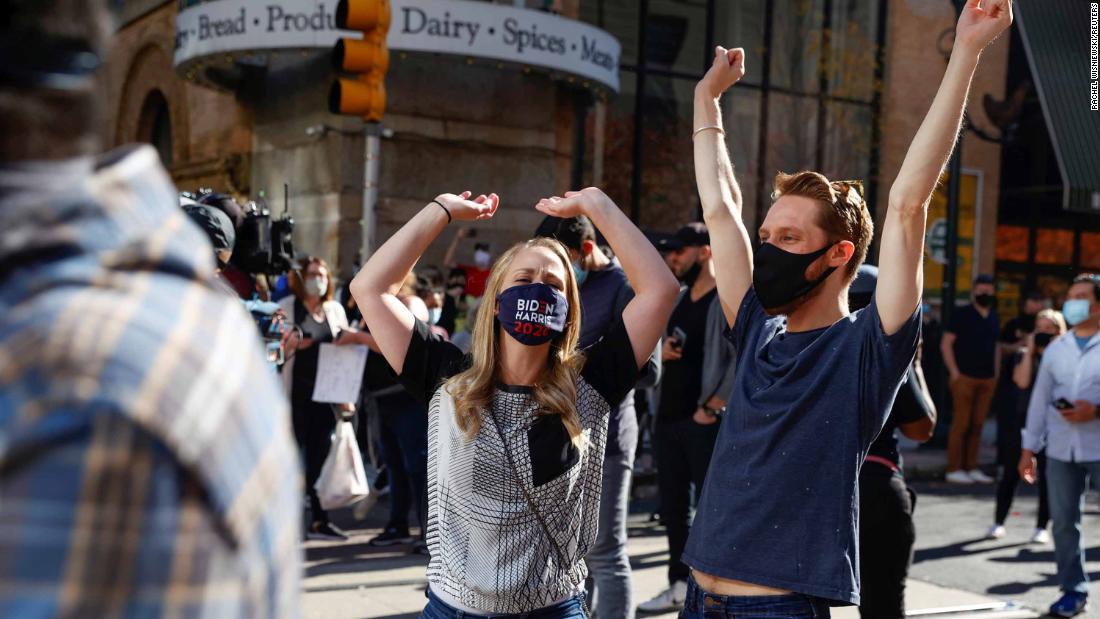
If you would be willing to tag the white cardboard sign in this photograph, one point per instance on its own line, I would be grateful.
(339, 373)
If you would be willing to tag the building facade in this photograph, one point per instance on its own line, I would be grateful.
(838, 86)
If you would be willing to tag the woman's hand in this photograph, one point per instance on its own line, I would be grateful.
(574, 204)
(727, 69)
(462, 208)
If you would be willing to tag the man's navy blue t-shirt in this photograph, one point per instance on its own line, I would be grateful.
(780, 506)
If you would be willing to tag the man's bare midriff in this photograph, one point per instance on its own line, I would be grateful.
(727, 586)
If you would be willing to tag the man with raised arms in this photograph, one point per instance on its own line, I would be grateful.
(776, 531)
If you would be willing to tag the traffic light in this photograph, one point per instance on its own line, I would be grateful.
(365, 94)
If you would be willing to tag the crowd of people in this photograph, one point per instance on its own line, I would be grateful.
(154, 462)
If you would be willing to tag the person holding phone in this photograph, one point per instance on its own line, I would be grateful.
(696, 377)
(1062, 418)
(517, 428)
(1048, 326)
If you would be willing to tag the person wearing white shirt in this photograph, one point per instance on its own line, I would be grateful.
(1062, 418)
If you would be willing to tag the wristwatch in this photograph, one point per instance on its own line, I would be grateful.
(714, 412)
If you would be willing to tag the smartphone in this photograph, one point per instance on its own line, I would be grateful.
(680, 336)
(1063, 404)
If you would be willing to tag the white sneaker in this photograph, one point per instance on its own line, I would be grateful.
(958, 477)
(995, 532)
(979, 477)
(669, 599)
(1040, 536)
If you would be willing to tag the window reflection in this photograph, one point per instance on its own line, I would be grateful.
(677, 54)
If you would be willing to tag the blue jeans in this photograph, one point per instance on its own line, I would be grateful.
(403, 432)
(1066, 489)
(703, 605)
(569, 609)
(608, 564)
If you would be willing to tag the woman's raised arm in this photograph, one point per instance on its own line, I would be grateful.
(389, 320)
(655, 288)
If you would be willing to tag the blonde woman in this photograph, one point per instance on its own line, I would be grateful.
(1049, 325)
(516, 427)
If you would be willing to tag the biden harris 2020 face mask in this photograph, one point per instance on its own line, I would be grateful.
(779, 276)
(532, 314)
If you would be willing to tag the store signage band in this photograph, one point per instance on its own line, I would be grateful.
(459, 27)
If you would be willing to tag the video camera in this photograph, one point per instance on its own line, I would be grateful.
(264, 245)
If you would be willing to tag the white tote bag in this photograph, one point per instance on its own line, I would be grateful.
(343, 480)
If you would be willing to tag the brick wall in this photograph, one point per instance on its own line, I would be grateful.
(211, 131)
(914, 68)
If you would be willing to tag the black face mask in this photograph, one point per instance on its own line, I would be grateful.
(692, 274)
(1042, 340)
(983, 300)
(779, 276)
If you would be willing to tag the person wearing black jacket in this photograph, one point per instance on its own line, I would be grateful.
(886, 533)
(605, 292)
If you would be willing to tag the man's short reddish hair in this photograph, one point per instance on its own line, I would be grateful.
(843, 214)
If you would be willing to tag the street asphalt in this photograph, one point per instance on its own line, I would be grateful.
(953, 565)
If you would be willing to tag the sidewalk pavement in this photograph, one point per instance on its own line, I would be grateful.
(352, 580)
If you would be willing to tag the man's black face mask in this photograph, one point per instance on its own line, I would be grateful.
(779, 276)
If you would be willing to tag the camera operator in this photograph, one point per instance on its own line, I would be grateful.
(269, 317)
(242, 282)
(126, 443)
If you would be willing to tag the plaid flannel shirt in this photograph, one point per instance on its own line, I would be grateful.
(146, 462)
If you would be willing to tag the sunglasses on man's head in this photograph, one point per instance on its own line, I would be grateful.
(844, 188)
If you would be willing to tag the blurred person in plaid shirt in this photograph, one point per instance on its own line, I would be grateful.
(146, 463)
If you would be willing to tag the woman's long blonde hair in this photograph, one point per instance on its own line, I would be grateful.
(556, 389)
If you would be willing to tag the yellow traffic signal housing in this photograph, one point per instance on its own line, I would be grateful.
(368, 58)
(363, 15)
(358, 97)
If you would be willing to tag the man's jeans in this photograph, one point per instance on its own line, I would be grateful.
(1066, 488)
(608, 564)
(703, 605)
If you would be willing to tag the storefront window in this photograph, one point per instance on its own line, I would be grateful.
(1090, 251)
(796, 54)
(792, 135)
(741, 24)
(741, 117)
(614, 170)
(847, 145)
(851, 62)
(676, 35)
(669, 196)
(620, 18)
(1012, 243)
(647, 162)
(1054, 247)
